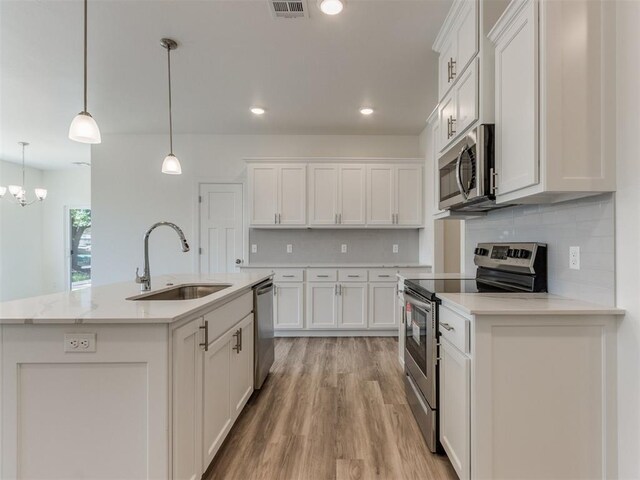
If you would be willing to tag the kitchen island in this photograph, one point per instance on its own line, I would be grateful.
(96, 384)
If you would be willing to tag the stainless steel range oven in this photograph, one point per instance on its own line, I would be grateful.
(420, 360)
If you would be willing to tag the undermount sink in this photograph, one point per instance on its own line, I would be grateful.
(183, 292)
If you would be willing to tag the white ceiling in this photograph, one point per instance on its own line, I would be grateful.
(311, 75)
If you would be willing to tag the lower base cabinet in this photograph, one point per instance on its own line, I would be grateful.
(322, 305)
(288, 306)
(382, 305)
(455, 407)
(352, 305)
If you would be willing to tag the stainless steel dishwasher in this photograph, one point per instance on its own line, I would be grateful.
(264, 353)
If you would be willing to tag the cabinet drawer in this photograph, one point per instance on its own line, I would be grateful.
(226, 316)
(322, 275)
(352, 275)
(289, 275)
(383, 275)
(454, 328)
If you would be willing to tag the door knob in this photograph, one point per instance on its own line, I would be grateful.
(238, 261)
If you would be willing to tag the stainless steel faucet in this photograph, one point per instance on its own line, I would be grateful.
(145, 279)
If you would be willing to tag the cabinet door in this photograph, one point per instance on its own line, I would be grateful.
(516, 130)
(263, 191)
(217, 419)
(466, 92)
(352, 305)
(323, 194)
(288, 306)
(382, 305)
(466, 35)
(322, 308)
(292, 201)
(408, 187)
(380, 194)
(352, 195)
(241, 366)
(455, 407)
(446, 115)
(187, 401)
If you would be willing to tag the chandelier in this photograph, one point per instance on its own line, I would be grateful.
(19, 193)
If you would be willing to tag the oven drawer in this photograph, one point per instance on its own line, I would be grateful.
(454, 328)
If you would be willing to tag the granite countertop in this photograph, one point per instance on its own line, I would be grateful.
(109, 305)
(334, 265)
(522, 304)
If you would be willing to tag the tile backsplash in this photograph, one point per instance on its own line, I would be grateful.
(324, 246)
(587, 223)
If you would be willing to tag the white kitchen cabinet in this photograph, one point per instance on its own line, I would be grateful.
(459, 109)
(277, 194)
(394, 195)
(322, 305)
(241, 366)
(352, 305)
(455, 407)
(288, 305)
(554, 105)
(382, 305)
(337, 194)
(187, 401)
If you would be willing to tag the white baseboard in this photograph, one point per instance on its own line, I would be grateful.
(336, 333)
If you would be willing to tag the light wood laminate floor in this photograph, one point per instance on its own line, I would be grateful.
(332, 408)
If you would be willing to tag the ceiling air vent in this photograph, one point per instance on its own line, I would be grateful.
(288, 8)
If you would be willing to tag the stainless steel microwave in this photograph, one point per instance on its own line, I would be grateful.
(466, 173)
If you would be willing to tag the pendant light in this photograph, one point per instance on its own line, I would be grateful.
(18, 191)
(84, 128)
(170, 164)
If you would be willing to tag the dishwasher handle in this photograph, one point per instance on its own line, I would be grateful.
(264, 289)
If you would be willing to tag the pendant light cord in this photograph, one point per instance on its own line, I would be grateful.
(170, 115)
(23, 184)
(85, 55)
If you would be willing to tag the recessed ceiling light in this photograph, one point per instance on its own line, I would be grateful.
(331, 7)
(366, 110)
(257, 110)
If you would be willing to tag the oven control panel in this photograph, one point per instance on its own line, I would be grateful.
(518, 256)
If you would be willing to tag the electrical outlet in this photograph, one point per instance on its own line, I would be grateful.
(254, 248)
(574, 258)
(343, 249)
(79, 342)
(289, 248)
(395, 248)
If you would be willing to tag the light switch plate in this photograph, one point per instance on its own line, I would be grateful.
(79, 342)
(289, 248)
(254, 248)
(574, 258)
(395, 248)
(343, 249)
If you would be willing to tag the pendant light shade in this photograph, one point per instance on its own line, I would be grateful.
(84, 128)
(170, 164)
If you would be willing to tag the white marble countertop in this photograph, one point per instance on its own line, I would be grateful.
(108, 304)
(334, 265)
(522, 304)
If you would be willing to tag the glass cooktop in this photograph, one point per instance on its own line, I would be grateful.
(432, 287)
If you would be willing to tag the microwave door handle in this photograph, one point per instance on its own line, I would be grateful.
(464, 193)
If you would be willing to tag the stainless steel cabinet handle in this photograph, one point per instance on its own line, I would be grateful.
(446, 326)
(275, 290)
(492, 181)
(340, 290)
(275, 218)
(205, 327)
(353, 276)
(323, 276)
(238, 334)
(452, 66)
(240, 337)
(280, 218)
(384, 276)
(340, 218)
(288, 276)
(335, 289)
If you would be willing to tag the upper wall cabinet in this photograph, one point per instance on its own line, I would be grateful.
(394, 195)
(554, 100)
(337, 195)
(277, 195)
(465, 68)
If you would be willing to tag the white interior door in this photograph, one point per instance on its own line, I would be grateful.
(221, 231)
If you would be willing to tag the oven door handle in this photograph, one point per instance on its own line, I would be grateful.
(414, 301)
(463, 192)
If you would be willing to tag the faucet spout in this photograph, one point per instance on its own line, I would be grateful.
(145, 279)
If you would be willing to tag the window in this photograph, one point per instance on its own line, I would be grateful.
(80, 240)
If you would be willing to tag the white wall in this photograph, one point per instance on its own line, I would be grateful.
(129, 193)
(628, 236)
(20, 237)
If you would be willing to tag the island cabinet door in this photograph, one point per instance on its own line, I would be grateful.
(455, 407)
(241, 365)
(187, 401)
(216, 399)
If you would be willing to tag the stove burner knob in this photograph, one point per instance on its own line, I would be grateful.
(480, 251)
(524, 254)
(512, 253)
